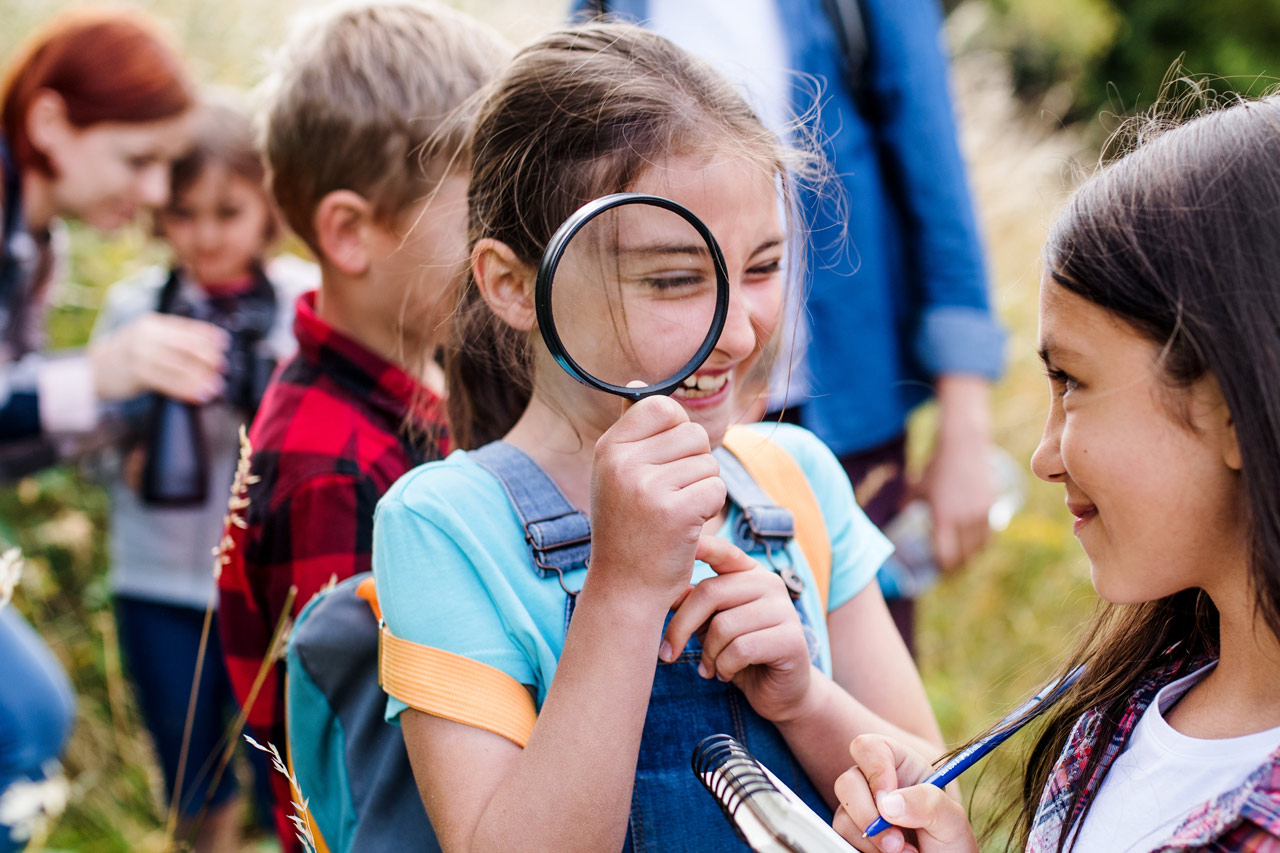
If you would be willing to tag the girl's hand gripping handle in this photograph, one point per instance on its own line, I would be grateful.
(654, 484)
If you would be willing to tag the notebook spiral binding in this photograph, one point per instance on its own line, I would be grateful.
(729, 773)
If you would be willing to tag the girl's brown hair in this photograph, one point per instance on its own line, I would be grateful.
(106, 65)
(579, 114)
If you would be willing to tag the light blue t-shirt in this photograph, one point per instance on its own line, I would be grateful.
(453, 570)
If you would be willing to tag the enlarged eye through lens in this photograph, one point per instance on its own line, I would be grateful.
(632, 291)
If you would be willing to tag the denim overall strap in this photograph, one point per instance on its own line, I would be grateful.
(558, 534)
(763, 522)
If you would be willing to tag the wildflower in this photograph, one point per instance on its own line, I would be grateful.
(28, 806)
(11, 564)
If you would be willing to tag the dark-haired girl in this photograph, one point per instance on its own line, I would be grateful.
(1160, 335)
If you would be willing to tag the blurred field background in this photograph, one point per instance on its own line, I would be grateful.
(1039, 83)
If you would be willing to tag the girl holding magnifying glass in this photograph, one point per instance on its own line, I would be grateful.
(561, 712)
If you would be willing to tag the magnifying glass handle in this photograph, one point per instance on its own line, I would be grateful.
(628, 402)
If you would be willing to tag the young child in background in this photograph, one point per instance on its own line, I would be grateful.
(219, 224)
(362, 149)
(1160, 335)
(610, 706)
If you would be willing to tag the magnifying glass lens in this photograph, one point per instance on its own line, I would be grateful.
(634, 294)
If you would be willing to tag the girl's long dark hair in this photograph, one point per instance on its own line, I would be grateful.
(1181, 239)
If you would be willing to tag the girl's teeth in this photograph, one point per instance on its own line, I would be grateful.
(705, 385)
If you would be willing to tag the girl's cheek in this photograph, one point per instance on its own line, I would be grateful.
(764, 303)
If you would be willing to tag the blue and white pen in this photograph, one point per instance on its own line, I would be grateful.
(974, 753)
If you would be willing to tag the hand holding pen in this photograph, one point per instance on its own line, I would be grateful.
(945, 774)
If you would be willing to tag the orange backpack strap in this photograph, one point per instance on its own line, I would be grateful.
(450, 686)
(455, 688)
(782, 479)
(369, 592)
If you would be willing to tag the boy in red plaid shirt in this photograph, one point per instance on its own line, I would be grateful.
(363, 132)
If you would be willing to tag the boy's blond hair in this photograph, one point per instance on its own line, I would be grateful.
(371, 97)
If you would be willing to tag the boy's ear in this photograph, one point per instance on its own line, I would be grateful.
(505, 282)
(342, 221)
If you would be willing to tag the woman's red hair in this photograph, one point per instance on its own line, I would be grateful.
(106, 65)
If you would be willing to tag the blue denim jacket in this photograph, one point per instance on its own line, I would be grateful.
(900, 297)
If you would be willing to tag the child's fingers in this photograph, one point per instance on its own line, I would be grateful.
(707, 496)
(684, 593)
(848, 829)
(857, 811)
(892, 774)
(681, 473)
(775, 645)
(193, 381)
(648, 417)
(699, 605)
(878, 759)
(723, 556)
(736, 587)
(940, 822)
(678, 442)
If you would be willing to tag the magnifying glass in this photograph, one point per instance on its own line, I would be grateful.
(632, 287)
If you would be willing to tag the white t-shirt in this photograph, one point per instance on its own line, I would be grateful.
(1163, 775)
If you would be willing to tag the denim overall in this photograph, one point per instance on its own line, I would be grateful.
(670, 809)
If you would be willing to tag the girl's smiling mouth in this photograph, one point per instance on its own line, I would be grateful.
(1084, 513)
(704, 388)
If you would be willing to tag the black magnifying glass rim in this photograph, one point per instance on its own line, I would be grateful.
(546, 275)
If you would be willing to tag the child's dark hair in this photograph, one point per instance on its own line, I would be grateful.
(578, 114)
(1181, 240)
(223, 135)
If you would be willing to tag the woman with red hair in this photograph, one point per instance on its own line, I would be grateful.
(94, 109)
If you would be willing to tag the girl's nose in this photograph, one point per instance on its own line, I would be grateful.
(739, 336)
(1046, 462)
(206, 234)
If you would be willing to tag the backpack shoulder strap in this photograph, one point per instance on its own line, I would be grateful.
(773, 470)
(446, 685)
(850, 26)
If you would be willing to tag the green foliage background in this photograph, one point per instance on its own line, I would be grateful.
(1113, 55)
(988, 635)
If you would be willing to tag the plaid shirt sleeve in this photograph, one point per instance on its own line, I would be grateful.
(321, 528)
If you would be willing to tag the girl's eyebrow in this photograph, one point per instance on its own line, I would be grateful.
(767, 245)
(1051, 351)
(661, 249)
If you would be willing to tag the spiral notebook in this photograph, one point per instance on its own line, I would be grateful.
(764, 812)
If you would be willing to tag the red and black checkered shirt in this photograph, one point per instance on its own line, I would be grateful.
(328, 441)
